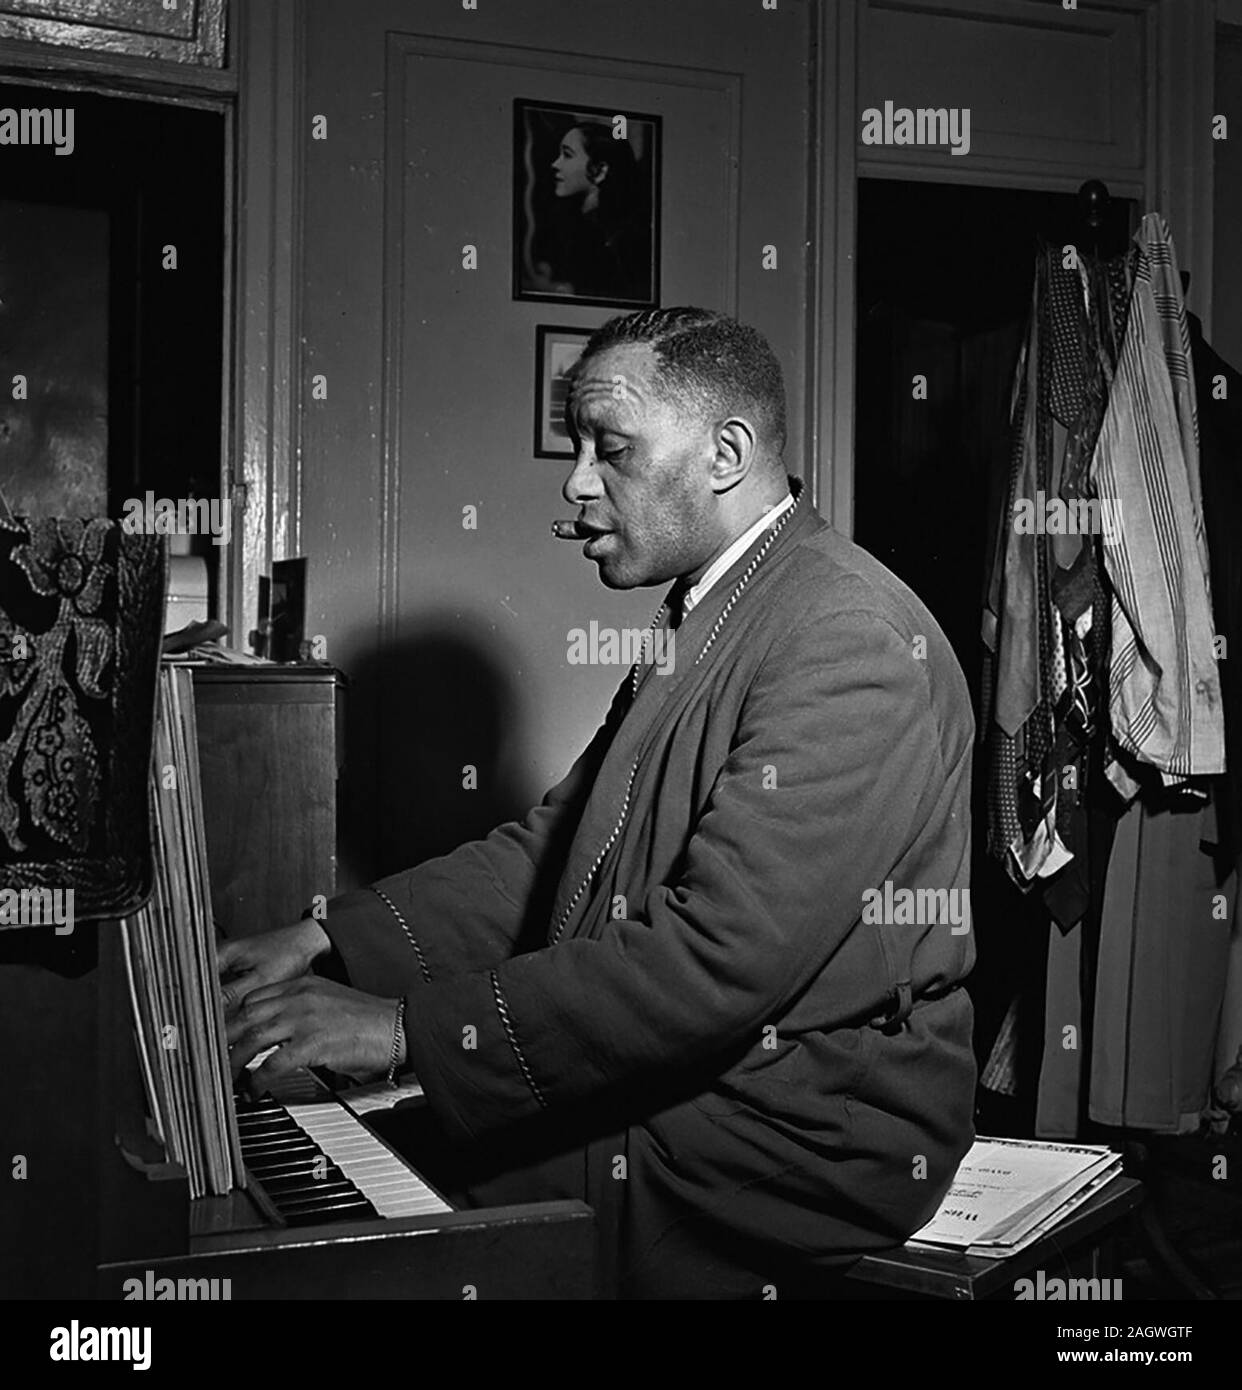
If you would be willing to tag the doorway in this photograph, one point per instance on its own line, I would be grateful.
(944, 286)
(112, 282)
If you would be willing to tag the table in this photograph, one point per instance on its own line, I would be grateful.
(1083, 1241)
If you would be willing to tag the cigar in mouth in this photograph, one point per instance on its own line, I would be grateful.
(568, 531)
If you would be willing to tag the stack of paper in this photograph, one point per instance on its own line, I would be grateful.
(170, 956)
(1010, 1192)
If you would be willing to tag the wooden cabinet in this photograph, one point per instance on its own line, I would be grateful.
(270, 747)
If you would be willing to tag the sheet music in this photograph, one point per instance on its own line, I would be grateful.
(170, 954)
(1005, 1187)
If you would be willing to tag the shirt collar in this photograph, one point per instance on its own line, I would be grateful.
(695, 594)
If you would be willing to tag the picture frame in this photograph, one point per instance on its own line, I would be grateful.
(557, 348)
(586, 205)
(192, 32)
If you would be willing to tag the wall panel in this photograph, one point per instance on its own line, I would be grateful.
(1050, 90)
(430, 374)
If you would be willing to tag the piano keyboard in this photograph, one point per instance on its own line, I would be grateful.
(316, 1163)
(390, 1187)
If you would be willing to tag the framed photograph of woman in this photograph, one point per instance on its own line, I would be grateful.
(556, 350)
(586, 206)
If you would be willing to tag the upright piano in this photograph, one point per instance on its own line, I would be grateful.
(335, 1205)
(332, 1209)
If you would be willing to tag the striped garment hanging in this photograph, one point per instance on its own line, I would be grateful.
(1165, 705)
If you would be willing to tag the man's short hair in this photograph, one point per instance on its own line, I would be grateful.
(709, 364)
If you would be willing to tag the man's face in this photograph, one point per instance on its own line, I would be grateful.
(642, 476)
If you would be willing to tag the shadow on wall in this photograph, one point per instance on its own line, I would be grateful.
(449, 769)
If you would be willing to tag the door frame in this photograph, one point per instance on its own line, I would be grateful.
(167, 84)
(1176, 177)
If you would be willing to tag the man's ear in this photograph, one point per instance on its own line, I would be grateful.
(736, 443)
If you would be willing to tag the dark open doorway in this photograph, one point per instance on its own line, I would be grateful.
(944, 287)
(945, 275)
(112, 279)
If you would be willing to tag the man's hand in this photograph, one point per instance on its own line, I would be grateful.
(313, 1023)
(269, 958)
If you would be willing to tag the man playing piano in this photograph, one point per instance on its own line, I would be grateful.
(703, 986)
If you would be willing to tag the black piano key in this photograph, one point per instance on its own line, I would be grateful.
(304, 1167)
(286, 1143)
(259, 1124)
(282, 1158)
(310, 1159)
(257, 1111)
(252, 1138)
(330, 1173)
(270, 1143)
(271, 1125)
(358, 1210)
(291, 1201)
(303, 1176)
(293, 1136)
(287, 1192)
(264, 1124)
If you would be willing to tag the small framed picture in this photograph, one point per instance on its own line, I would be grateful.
(586, 205)
(556, 350)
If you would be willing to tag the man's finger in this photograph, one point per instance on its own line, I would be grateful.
(252, 988)
(284, 1060)
(265, 992)
(229, 954)
(251, 1013)
(234, 991)
(254, 1038)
